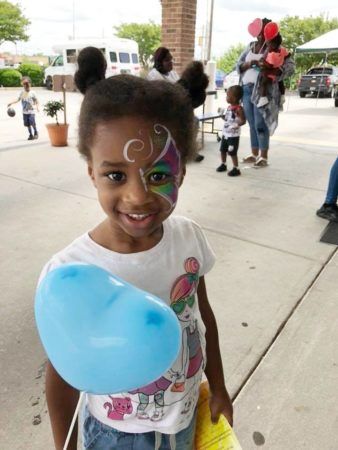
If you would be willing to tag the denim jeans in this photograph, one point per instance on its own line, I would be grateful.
(332, 190)
(259, 132)
(98, 436)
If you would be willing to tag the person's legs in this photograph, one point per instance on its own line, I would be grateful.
(233, 144)
(248, 107)
(223, 149)
(263, 136)
(332, 190)
(329, 210)
(33, 124)
(27, 124)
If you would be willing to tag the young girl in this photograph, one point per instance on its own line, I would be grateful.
(234, 118)
(137, 137)
(273, 60)
(29, 104)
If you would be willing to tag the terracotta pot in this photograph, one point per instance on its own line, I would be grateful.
(58, 134)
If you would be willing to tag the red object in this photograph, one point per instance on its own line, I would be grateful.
(255, 27)
(271, 30)
(328, 81)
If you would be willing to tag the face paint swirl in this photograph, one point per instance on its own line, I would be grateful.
(163, 177)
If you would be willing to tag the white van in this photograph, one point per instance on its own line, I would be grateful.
(121, 56)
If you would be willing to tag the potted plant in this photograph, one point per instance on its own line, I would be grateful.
(58, 132)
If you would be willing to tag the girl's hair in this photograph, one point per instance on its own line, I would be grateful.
(195, 81)
(92, 67)
(160, 54)
(237, 90)
(127, 95)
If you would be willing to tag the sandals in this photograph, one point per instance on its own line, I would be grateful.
(249, 159)
(261, 162)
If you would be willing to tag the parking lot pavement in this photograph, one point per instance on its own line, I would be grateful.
(273, 288)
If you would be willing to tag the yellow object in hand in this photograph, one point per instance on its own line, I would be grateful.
(210, 436)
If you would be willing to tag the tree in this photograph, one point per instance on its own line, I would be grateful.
(297, 31)
(147, 35)
(13, 24)
(228, 61)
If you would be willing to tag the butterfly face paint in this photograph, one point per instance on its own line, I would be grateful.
(163, 177)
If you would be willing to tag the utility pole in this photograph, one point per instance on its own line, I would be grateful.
(73, 19)
(209, 28)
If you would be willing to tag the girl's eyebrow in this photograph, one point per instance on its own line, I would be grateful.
(113, 164)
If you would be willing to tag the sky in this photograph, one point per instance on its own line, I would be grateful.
(56, 21)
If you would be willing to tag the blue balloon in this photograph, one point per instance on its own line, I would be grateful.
(102, 334)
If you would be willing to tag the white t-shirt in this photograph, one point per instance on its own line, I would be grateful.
(251, 75)
(170, 270)
(28, 101)
(154, 74)
(231, 127)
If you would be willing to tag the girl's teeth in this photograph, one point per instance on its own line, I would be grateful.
(138, 216)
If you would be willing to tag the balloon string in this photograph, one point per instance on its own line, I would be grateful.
(76, 412)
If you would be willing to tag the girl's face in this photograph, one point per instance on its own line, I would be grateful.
(231, 97)
(135, 167)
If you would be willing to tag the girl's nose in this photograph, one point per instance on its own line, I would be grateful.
(137, 193)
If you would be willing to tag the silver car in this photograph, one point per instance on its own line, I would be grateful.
(230, 79)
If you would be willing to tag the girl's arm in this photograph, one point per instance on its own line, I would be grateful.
(12, 103)
(241, 117)
(220, 402)
(62, 401)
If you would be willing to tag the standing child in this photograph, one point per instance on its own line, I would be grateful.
(131, 135)
(273, 60)
(234, 118)
(28, 101)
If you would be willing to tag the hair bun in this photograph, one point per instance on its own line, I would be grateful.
(92, 67)
(195, 81)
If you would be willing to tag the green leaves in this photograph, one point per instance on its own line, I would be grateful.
(228, 61)
(147, 35)
(52, 107)
(13, 24)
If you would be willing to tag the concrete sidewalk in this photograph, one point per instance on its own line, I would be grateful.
(273, 289)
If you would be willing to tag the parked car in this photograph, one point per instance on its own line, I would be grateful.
(219, 78)
(320, 80)
(230, 79)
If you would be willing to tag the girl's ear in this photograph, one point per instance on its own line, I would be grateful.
(91, 173)
(183, 172)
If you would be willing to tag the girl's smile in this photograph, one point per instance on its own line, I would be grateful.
(136, 169)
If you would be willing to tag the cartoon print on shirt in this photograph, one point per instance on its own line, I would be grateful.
(182, 298)
(157, 389)
(118, 407)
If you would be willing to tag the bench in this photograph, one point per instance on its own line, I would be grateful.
(209, 119)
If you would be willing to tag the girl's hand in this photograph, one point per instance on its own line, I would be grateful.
(220, 403)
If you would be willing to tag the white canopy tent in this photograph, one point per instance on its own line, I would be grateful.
(326, 43)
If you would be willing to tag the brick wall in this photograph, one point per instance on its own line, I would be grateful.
(178, 30)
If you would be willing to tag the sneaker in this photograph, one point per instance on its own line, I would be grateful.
(30, 137)
(262, 102)
(234, 172)
(328, 212)
(221, 168)
(36, 136)
(199, 158)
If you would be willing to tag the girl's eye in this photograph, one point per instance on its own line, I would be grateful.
(117, 177)
(158, 177)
